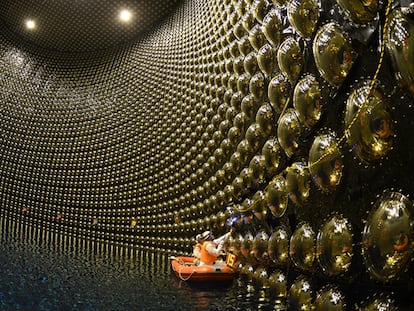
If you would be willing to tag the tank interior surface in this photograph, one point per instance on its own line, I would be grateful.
(289, 122)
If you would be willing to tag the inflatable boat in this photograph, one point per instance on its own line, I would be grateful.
(186, 270)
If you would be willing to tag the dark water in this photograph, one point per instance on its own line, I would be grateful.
(67, 273)
(50, 276)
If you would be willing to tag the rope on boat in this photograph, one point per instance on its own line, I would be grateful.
(183, 263)
(187, 278)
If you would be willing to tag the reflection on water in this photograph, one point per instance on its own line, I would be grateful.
(89, 276)
(36, 277)
(66, 273)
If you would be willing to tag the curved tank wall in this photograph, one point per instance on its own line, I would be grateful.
(257, 115)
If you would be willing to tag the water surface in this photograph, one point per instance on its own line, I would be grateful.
(51, 276)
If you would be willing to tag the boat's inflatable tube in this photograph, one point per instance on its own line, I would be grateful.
(185, 269)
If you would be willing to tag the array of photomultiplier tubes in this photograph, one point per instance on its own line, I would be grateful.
(231, 113)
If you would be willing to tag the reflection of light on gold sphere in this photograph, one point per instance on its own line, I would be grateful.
(391, 261)
(333, 178)
(339, 261)
(377, 147)
(309, 258)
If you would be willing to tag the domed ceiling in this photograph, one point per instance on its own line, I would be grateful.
(80, 26)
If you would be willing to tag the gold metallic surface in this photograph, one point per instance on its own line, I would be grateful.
(360, 11)
(307, 100)
(334, 246)
(387, 239)
(372, 135)
(327, 171)
(333, 53)
(303, 15)
(400, 46)
(302, 250)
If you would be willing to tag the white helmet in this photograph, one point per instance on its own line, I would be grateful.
(205, 235)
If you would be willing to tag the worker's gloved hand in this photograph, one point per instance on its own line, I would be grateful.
(220, 250)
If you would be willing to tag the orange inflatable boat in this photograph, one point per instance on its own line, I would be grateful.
(185, 269)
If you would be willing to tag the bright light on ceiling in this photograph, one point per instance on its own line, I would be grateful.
(125, 16)
(30, 24)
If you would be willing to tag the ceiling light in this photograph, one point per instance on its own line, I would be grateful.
(30, 24)
(125, 16)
